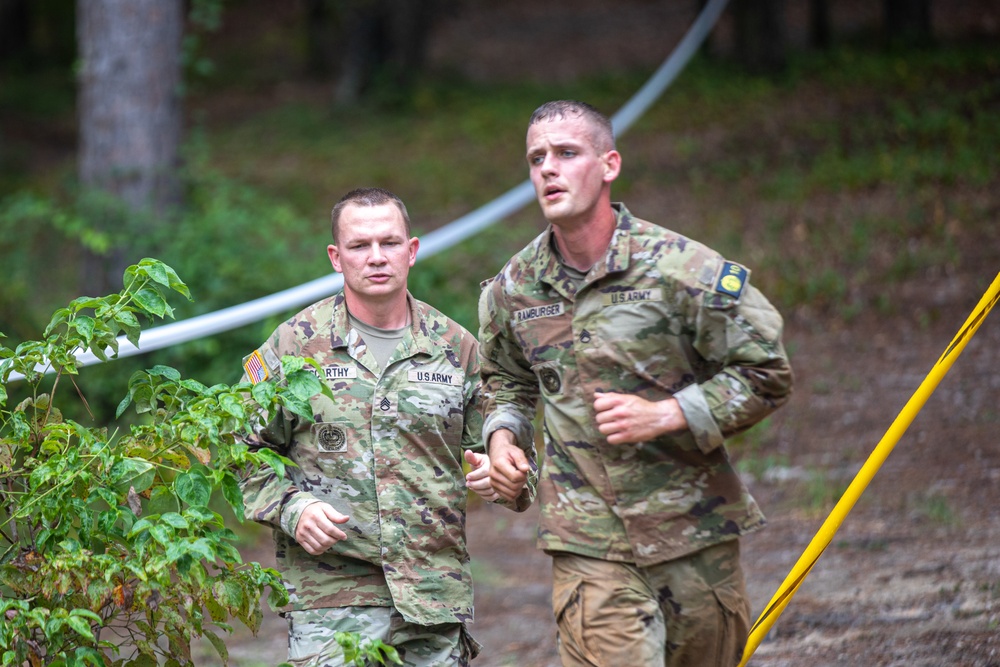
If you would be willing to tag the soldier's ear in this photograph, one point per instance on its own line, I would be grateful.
(414, 246)
(612, 165)
(334, 255)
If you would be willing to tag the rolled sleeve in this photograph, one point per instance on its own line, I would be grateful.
(514, 422)
(699, 417)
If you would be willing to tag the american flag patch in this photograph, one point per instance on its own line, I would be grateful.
(255, 368)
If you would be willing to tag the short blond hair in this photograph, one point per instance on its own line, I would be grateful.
(603, 134)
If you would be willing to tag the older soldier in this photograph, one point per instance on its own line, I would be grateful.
(369, 528)
(647, 349)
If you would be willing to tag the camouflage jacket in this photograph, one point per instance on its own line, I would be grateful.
(387, 453)
(661, 316)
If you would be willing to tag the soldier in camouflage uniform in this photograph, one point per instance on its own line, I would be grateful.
(369, 527)
(647, 349)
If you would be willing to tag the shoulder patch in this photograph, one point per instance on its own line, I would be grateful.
(732, 279)
(254, 366)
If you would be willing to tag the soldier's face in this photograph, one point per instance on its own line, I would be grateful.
(373, 251)
(570, 174)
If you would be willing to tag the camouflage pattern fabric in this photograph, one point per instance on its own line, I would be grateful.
(388, 453)
(688, 611)
(312, 642)
(661, 316)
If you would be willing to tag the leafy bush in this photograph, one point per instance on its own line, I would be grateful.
(108, 544)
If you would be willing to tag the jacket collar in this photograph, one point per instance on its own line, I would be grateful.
(418, 341)
(615, 260)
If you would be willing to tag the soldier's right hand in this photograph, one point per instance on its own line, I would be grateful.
(317, 528)
(509, 465)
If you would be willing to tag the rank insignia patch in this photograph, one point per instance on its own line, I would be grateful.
(732, 279)
(255, 368)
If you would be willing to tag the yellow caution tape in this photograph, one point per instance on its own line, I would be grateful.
(826, 532)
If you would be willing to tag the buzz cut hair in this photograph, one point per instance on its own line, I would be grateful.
(602, 134)
(367, 197)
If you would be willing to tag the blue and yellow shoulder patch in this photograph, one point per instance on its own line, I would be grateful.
(732, 279)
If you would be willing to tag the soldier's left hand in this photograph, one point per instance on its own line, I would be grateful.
(478, 479)
(627, 419)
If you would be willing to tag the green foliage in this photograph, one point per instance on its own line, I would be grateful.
(365, 652)
(230, 241)
(108, 543)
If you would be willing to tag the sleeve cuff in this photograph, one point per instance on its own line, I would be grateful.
(699, 417)
(522, 429)
(291, 512)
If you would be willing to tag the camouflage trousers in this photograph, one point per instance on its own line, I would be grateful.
(685, 612)
(311, 640)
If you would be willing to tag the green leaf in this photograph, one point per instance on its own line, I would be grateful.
(86, 655)
(136, 473)
(202, 548)
(298, 406)
(162, 534)
(140, 525)
(151, 302)
(165, 371)
(127, 401)
(156, 270)
(263, 393)
(81, 627)
(193, 488)
(175, 520)
(278, 597)
(194, 386)
(232, 404)
(85, 326)
(220, 646)
(304, 385)
(273, 461)
(291, 363)
(176, 284)
(58, 317)
(232, 493)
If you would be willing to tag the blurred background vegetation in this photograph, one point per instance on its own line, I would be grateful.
(839, 150)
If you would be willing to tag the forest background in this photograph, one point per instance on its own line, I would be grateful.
(850, 162)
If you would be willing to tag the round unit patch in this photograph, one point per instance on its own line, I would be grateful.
(550, 380)
(330, 438)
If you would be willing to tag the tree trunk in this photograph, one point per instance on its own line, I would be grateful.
(761, 43)
(819, 24)
(319, 21)
(129, 121)
(385, 43)
(907, 22)
(14, 29)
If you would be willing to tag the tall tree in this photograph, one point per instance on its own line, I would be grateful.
(378, 43)
(819, 24)
(13, 28)
(907, 22)
(761, 39)
(129, 119)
